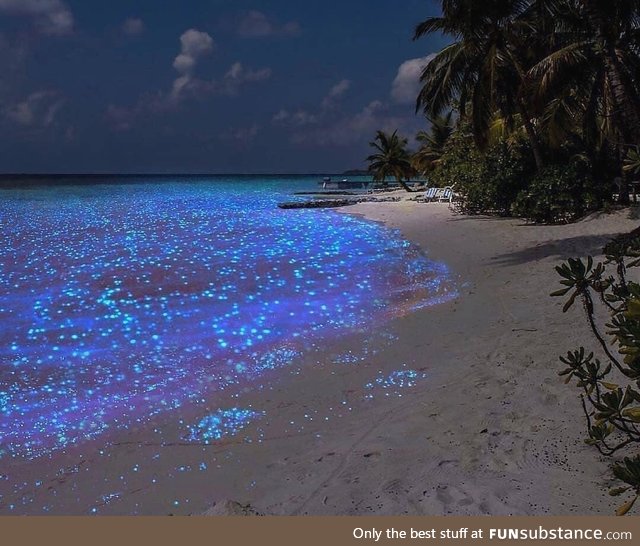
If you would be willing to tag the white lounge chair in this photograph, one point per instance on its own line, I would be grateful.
(446, 196)
(429, 196)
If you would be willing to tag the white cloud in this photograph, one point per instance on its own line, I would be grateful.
(337, 91)
(299, 118)
(39, 109)
(51, 16)
(358, 128)
(406, 85)
(329, 125)
(256, 24)
(194, 45)
(339, 88)
(133, 26)
(349, 129)
(238, 75)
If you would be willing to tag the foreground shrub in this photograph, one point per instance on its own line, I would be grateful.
(610, 395)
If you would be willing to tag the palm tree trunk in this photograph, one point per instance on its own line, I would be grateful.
(532, 135)
(404, 185)
(626, 117)
(626, 103)
(529, 128)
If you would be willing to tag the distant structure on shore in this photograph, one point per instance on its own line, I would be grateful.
(344, 184)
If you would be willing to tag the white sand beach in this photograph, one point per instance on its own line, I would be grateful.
(488, 429)
(493, 430)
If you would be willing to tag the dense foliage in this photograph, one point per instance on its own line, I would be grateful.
(560, 193)
(555, 70)
(610, 390)
(561, 76)
(486, 182)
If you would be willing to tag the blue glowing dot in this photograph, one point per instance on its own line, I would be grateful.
(123, 302)
(222, 423)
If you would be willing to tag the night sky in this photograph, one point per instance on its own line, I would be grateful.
(215, 86)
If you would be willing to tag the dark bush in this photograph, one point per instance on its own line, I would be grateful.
(486, 183)
(558, 194)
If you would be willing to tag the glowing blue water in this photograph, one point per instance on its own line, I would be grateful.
(122, 301)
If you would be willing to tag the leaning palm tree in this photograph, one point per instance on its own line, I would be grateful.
(432, 144)
(485, 69)
(391, 159)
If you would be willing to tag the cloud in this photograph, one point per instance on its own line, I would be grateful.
(406, 85)
(301, 118)
(121, 118)
(238, 75)
(38, 110)
(50, 16)
(358, 128)
(339, 88)
(194, 45)
(133, 26)
(349, 129)
(337, 91)
(256, 24)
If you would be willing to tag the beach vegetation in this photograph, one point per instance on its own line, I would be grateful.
(486, 182)
(609, 389)
(560, 193)
(552, 85)
(632, 161)
(432, 144)
(391, 159)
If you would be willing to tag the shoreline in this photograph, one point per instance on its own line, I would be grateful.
(485, 426)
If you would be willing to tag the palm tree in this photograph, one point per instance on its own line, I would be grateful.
(432, 144)
(594, 66)
(391, 159)
(485, 68)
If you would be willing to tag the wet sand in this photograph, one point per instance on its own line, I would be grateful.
(453, 409)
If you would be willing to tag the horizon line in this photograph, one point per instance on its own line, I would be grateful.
(38, 174)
